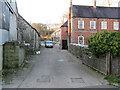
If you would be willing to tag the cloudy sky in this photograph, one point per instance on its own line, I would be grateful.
(51, 11)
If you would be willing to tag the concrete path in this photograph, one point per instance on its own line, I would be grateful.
(55, 68)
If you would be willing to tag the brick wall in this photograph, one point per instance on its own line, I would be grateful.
(63, 34)
(86, 32)
(90, 60)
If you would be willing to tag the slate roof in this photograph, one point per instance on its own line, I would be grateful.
(29, 24)
(98, 12)
(65, 24)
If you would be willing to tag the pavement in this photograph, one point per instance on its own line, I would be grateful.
(56, 68)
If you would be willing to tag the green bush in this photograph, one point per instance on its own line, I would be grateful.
(104, 42)
(113, 79)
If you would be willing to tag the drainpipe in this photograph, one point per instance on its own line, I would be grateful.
(97, 25)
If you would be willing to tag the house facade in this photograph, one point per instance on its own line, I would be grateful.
(56, 35)
(8, 24)
(64, 35)
(84, 21)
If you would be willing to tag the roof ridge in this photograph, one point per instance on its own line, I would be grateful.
(96, 6)
(98, 12)
(65, 24)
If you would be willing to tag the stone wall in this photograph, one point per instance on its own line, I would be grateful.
(89, 59)
(13, 55)
(21, 55)
(116, 66)
(99, 64)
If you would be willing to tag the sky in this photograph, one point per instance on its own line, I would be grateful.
(51, 11)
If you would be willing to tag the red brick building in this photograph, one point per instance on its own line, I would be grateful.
(64, 35)
(84, 21)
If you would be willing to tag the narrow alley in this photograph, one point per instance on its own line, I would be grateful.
(56, 68)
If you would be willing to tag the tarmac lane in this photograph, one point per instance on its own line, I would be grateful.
(56, 68)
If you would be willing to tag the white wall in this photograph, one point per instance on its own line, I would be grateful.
(4, 36)
(13, 27)
(1, 56)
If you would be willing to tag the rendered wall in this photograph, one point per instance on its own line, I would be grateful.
(13, 28)
(1, 56)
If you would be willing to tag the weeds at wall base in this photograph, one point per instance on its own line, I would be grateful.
(113, 80)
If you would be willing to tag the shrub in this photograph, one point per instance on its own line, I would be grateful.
(104, 42)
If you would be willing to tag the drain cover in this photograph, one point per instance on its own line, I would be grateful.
(61, 60)
(44, 79)
(77, 80)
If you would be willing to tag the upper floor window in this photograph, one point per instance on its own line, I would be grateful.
(103, 25)
(116, 25)
(81, 24)
(92, 24)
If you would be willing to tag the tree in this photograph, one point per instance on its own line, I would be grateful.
(64, 18)
(43, 30)
(105, 42)
(39, 27)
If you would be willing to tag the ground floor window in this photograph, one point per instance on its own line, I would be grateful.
(81, 40)
(104, 25)
(116, 25)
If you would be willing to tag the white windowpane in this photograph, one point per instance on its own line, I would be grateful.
(92, 24)
(81, 24)
(116, 25)
(104, 25)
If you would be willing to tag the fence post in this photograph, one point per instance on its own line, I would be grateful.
(108, 63)
(111, 58)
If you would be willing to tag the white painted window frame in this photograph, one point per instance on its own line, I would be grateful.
(94, 24)
(79, 40)
(116, 27)
(104, 25)
(79, 23)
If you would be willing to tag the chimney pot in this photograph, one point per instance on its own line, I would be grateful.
(94, 4)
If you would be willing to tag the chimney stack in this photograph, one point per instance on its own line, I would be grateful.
(94, 4)
(71, 3)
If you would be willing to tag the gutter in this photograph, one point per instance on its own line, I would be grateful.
(98, 25)
(9, 6)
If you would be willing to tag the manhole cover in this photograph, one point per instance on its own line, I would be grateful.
(77, 80)
(44, 79)
(61, 60)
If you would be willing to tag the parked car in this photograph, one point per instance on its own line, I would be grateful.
(49, 44)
